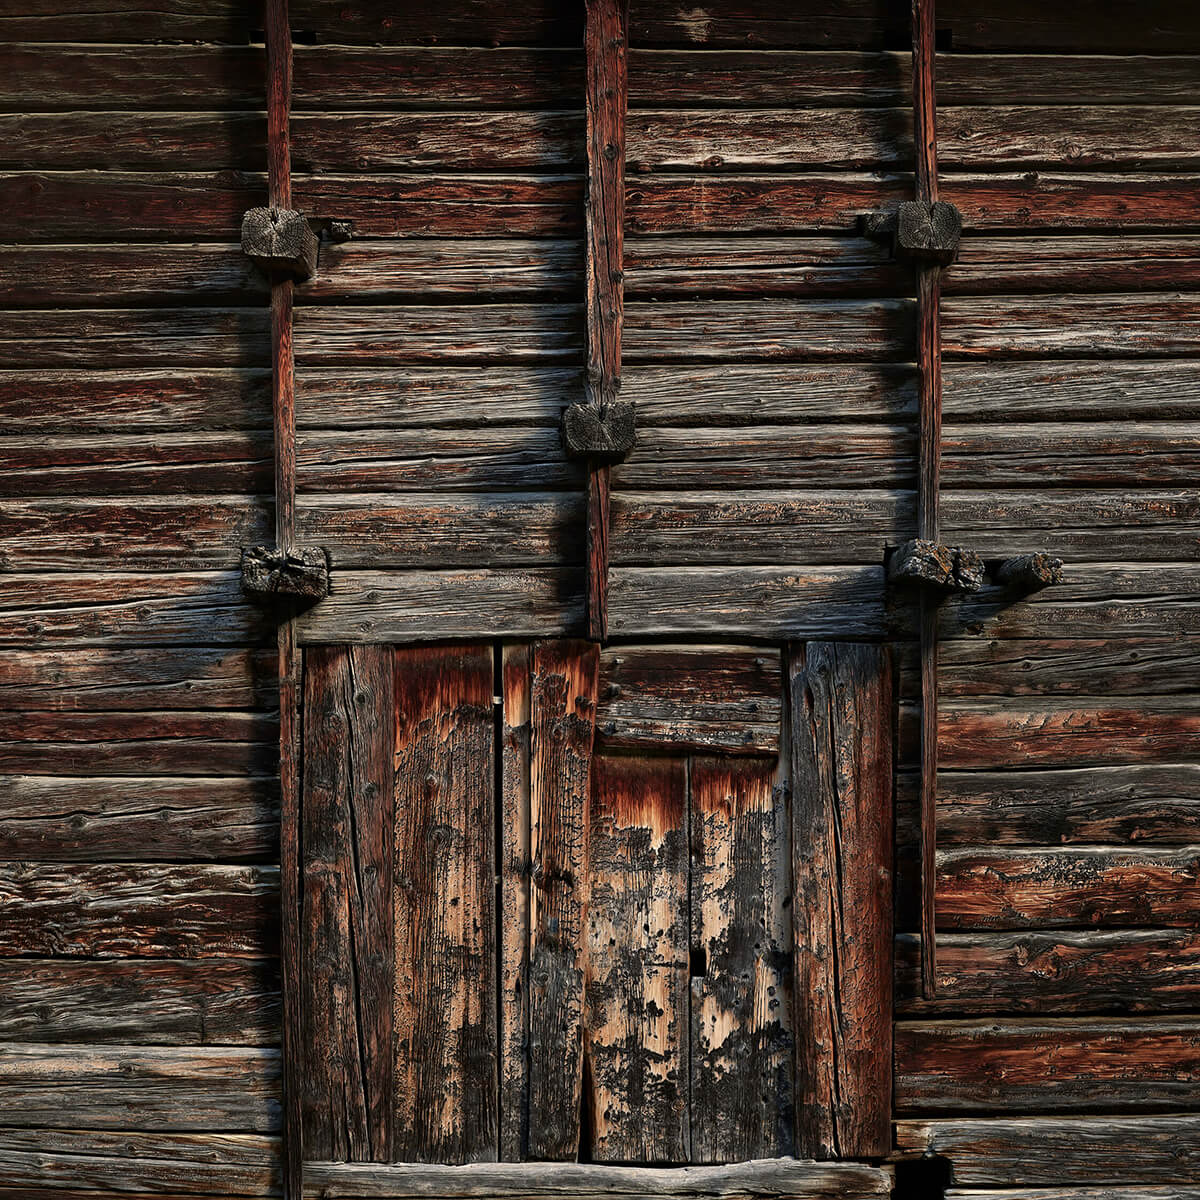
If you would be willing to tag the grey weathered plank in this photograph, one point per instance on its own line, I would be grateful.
(124, 910)
(168, 1088)
(1053, 973)
(715, 699)
(1067, 1065)
(52, 818)
(410, 606)
(562, 732)
(347, 963)
(741, 1002)
(775, 1178)
(127, 1001)
(1058, 1151)
(637, 1029)
(166, 608)
(841, 774)
(444, 1103)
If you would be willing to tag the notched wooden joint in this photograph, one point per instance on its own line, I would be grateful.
(272, 574)
(922, 563)
(1029, 572)
(280, 239)
(929, 232)
(601, 433)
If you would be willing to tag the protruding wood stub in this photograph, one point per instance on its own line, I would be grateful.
(924, 563)
(280, 239)
(928, 232)
(1029, 572)
(269, 573)
(600, 435)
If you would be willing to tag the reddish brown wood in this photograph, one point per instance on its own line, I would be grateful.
(605, 38)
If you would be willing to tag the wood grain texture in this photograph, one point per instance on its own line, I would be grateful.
(1063, 1066)
(636, 1027)
(516, 859)
(126, 910)
(170, 1088)
(564, 683)
(130, 1001)
(445, 1103)
(741, 1001)
(1058, 1151)
(52, 818)
(347, 935)
(1054, 973)
(713, 699)
(775, 1178)
(841, 765)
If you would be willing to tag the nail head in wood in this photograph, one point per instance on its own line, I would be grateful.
(269, 573)
(1030, 572)
(280, 239)
(599, 434)
(922, 563)
(929, 232)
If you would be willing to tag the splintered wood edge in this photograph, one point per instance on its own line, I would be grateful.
(774, 1177)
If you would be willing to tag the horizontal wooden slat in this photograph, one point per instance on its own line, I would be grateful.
(1053, 973)
(128, 21)
(714, 699)
(431, 530)
(501, 333)
(133, 680)
(1065, 887)
(1083, 733)
(170, 608)
(1076, 136)
(97, 402)
(1114, 666)
(49, 818)
(1047, 1065)
(1060, 1151)
(124, 464)
(1099, 600)
(126, 1002)
(154, 534)
(747, 78)
(762, 1178)
(161, 1087)
(486, 459)
(412, 606)
(777, 203)
(138, 910)
(770, 603)
(1155, 805)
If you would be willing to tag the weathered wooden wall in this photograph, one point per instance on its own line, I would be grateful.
(768, 348)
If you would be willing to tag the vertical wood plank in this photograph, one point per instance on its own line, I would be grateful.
(563, 726)
(607, 89)
(637, 962)
(841, 754)
(347, 975)
(741, 1020)
(445, 994)
(514, 901)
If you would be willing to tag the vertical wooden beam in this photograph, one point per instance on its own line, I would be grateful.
(741, 980)
(278, 35)
(841, 758)
(563, 725)
(605, 36)
(444, 871)
(347, 846)
(515, 856)
(929, 365)
(637, 1028)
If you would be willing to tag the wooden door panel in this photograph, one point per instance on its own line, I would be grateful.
(445, 919)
